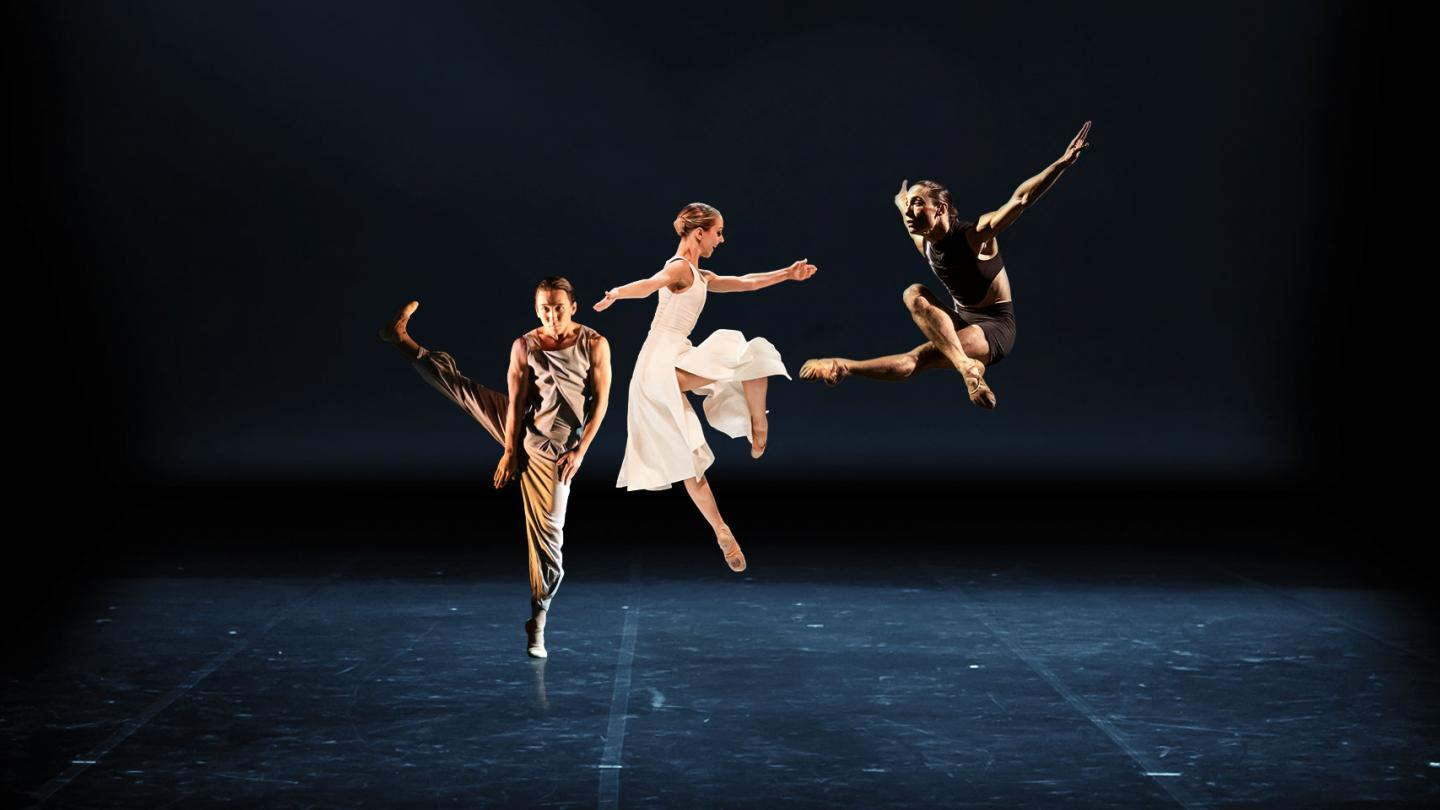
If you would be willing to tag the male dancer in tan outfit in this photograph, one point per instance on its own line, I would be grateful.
(559, 389)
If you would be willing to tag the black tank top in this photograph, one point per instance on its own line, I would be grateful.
(965, 276)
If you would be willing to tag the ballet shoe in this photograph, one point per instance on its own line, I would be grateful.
(731, 549)
(758, 440)
(535, 640)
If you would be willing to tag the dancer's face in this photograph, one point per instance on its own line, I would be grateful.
(555, 310)
(712, 238)
(921, 213)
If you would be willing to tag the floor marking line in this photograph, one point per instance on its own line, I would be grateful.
(1314, 611)
(82, 763)
(1175, 789)
(610, 763)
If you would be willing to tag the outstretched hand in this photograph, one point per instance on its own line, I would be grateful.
(801, 270)
(604, 303)
(1080, 144)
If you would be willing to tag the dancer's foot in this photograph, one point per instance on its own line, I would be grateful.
(980, 393)
(731, 549)
(394, 332)
(759, 435)
(826, 369)
(535, 639)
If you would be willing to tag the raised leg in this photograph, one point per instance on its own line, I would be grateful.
(704, 499)
(755, 391)
(484, 405)
(892, 367)
(963, 349)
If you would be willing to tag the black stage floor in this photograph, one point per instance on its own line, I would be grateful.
(897, 667)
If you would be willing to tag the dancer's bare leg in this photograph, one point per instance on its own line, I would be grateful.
(700, 489)
(704, 499)
(755, 391)
(893, 367)
(961, 348)
(394, 332)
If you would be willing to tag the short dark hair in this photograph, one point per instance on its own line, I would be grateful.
(557, 283)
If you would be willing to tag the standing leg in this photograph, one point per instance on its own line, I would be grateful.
(699, 489)
(961, 348)
(545, 499)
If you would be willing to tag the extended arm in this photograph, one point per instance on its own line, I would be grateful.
(671, 273)
(518, 382)
(988, 225)
(799, 271)
(570, 462)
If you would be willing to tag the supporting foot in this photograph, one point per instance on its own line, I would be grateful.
(394, 332)
(535, 639)
(731, 549)
(826, 369)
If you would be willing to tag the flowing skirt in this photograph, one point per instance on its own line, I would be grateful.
(664, 442)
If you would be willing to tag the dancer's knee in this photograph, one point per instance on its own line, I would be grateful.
(917, 299)
(973, 343)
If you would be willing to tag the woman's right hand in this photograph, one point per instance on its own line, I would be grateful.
(604, 303)
(902, 196)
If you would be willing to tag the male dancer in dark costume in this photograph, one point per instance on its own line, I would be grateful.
(559, 389)
(979, 329)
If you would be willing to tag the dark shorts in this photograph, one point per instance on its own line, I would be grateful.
(997, 321)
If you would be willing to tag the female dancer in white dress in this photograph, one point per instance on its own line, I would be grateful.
(664, 443)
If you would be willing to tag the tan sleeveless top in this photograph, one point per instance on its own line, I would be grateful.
(559, 395)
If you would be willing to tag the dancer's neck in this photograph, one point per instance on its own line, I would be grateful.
(689, 253)
(939, 230)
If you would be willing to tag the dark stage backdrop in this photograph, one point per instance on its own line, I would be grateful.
(228, 199)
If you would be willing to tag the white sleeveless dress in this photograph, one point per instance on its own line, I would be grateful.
(664, 442)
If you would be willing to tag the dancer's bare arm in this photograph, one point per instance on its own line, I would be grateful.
(991, 224)
(569, 463)
(518, 383)
(672, 273)
(799, 271)
(902, 201)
